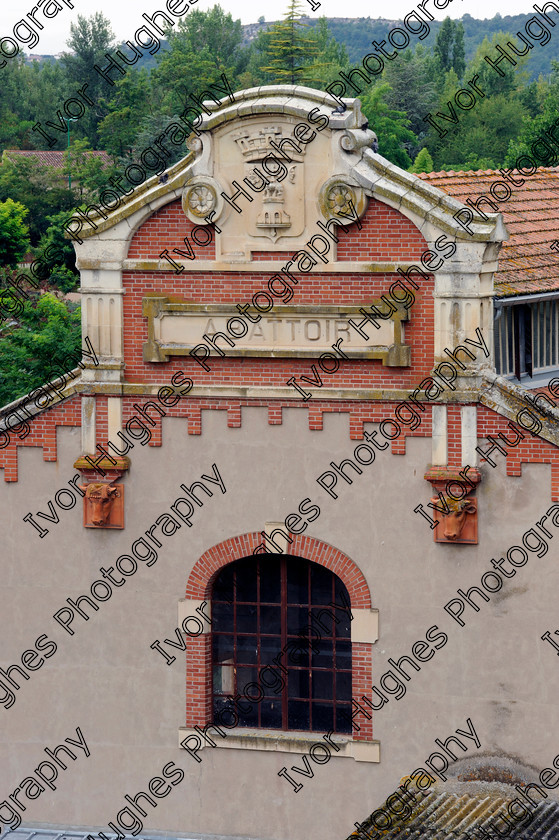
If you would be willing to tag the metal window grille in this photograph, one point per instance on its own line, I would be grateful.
(262, 606)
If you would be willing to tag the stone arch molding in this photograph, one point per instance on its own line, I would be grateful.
(426, 206)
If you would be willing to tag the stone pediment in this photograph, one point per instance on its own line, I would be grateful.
(291, 155)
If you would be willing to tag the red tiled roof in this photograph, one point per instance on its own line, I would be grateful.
(526, 262)
(54, 159)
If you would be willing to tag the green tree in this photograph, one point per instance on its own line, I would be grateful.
(490, 81)
(531, 140)
(458, 52)
(56, 257)
(14, 233)
(412, 90)
(48, 332)
(330, 56)
(90, 173)
(443, 45)
(390, 126)
(42, 189)
(208, 44)
(423, 162)
(149, 129)
(131, 102)
(90, 39)
(290, 48)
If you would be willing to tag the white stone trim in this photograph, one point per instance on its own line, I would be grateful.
(364, 626)
(469, 435)
(279, 540)
(274, 740)
(88, 425)
(114, 417)
(439, 449)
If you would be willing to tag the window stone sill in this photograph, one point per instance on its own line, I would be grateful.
(278, 741)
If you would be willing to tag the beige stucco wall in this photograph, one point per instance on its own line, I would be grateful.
(129, 703)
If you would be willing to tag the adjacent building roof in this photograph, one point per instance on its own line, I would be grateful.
(527, 262)
(472, 814)
(23, 833)
(54, 159)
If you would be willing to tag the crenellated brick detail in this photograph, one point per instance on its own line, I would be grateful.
(42, 434)
(529, 450)
(43, 427)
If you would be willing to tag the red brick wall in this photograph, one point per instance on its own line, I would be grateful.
(167, 229)
(239, 288)
(385, 234)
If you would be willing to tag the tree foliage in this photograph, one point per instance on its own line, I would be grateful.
(48, 332)
(91, 38)
(423, 162)
(291, 51)
(14, 233)
(390, 125)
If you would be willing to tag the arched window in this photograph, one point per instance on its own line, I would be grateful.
(281, 645)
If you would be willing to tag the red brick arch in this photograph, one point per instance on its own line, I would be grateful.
(205, 569)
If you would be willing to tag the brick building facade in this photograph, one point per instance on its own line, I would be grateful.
(359, 382)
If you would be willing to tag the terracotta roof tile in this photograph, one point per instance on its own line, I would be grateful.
(55, 159)
(526, 262)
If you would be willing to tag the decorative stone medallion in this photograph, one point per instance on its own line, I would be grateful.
(201, 197)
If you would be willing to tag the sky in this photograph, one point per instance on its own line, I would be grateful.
(126, 15)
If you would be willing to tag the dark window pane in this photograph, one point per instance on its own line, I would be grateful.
(343, 655)
(244, 677)
(322, 685)
(321, 585)
(270, 648)
(270, 714)
(297, 652)
(222, 647)
(343, 685)
(298, 683)
(226, 717)
(223, 585)
(223, 704)
(270, 579)
(324, 620)
(247, 650)
(270, 620)
(322, 717)
(247, 619)
(297, 582)
(343, 629)
(249, 717)
(297, 620)
(323, 659)
(222, 617)
(343, 718)
(272, 681)
(298, 715)
(246, 579)
(252, 646)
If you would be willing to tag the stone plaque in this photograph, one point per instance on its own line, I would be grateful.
(174, 329)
